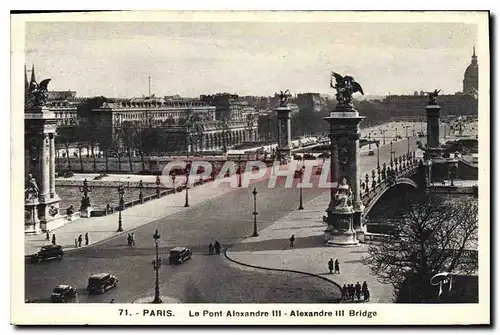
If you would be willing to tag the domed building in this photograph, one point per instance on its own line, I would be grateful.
(471, 76)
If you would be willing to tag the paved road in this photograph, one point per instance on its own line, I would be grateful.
(204, 278)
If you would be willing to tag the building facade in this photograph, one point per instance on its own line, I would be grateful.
(185, 125)
(309, 102)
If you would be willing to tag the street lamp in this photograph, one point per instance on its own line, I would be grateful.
(378, 154)
(301, 207)
(239, 171)
(156, 266)
(391, 153)
(158, 183)
(254, 192)
(121, 192)
(188, 168)
(141, 196)
(369, 141)
(173, 181)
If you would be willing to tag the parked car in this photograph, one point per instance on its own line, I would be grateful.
(178, 255)
(63, 293)
(50, 251)
(371, 153)
(101, 282)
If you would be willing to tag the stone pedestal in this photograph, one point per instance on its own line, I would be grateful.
(344, 134)
(86, 213)
(31, 220)
(340, 230)
(284, 132)
(433, 149)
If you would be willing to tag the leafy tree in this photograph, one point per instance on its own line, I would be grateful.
(432, 236)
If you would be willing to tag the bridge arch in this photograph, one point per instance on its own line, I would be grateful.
(397, 183)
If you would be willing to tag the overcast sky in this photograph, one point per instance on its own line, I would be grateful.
(114, 59)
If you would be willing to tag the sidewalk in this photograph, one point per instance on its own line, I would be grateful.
(271, 250)
(101, 228)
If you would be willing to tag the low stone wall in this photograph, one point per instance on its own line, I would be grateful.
(101, 183)
(104, 212)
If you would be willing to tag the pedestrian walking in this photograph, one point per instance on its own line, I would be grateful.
(86, 238)
(358, 290)
(366, 295)
(337, 266)
(129, 240)
(210, 249)
(47, 236)
(80, 239)
(364, 287)
(330, 265)
(217, 247)
(351, 291)
(132, 239)
(53, 238)
(345, 291)
(76, 243)
(292, 239)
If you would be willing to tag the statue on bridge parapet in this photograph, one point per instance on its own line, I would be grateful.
(343, 196)
(37, 94)
(345, 87)
(31, 191)
(283, 96)
(433, 97)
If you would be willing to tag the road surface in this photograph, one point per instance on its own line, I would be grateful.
(207, 279)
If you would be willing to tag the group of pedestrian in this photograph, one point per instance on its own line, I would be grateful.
(214, 248)
(79, 240)
(130, 239)
(334, 266)
(358, 290)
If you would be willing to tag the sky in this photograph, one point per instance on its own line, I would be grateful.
(115, 59)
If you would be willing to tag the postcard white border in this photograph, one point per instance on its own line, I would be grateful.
(22, 313)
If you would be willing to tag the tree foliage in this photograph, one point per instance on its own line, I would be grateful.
(432, 236)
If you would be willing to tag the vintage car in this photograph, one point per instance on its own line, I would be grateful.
(101, 282)
(178, 255)
(63, 293)
(371, 153)
(297, 174)
(50, 251)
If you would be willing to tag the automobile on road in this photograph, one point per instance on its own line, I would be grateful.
(63, 293)
(51, 251)
(101, 282)
(179, 255)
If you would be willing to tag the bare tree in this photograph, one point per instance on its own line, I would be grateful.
(433, 235)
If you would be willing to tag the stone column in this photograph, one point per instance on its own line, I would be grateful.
(344, 217)
(45, 168)
(284, 131)
(433, 146)
(52, 188)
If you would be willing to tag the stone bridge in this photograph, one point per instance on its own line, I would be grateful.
(402, 171)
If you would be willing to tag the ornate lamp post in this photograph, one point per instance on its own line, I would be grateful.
(156, 266)
(173, 181)
(301, 207)
(158, 184)
(392, 153)
(239, 171)
(141, 196)
(254, 192)
(188, 170)
(121, 192)
(85, 189)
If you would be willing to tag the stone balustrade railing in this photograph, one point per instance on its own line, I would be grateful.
(388, 173)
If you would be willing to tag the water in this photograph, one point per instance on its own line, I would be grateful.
(99, 197)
